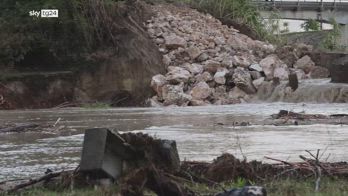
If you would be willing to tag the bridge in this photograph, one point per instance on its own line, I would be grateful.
(309, 9)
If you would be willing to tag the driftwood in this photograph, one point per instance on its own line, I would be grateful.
(32, 182)
(152, 171)
(284, 114)
(18, 128)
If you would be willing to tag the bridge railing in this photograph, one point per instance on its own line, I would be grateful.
(303, 4)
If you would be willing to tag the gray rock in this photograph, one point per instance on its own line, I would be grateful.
(255, 67)
(219, 76)
(193, 52)
(204, 77)
(203, 57)
(211, 66)
(153, 102)
(227, 61)
(300, 74)
(157, 82)
(194, 68)
(174, 42)
(241, 61)
(219, 40)
(166, 60)
(245, 191)
(281, 71)
(178, 75)
(305, 63)
(242, 79)
(268, 65)
(257, 83)
(174, 95)
(255, 75)
(201, 91)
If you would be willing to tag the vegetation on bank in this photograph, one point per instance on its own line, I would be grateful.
(82, 28)
(86, 30)
(284, 187)
(239, 11)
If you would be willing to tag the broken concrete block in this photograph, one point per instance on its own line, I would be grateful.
(103, 153)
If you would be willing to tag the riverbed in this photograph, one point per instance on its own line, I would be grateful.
(202, 133)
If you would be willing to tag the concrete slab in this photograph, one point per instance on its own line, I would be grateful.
(103, 153)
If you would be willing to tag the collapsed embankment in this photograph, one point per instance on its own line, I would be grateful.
(211, 63)
(119, 78)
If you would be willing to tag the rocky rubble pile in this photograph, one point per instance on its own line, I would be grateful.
(210, 63)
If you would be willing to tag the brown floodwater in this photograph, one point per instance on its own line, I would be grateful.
(202, 133)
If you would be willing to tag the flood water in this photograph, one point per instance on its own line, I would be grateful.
(202, 133)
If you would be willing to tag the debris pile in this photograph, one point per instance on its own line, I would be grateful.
(154, 164)
(210, 63)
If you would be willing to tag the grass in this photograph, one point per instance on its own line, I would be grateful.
(97, 105)
(284, 187)
(240, 11)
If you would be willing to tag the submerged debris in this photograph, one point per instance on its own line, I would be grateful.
(284, 114)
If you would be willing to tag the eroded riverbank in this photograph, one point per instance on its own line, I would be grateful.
(202, 133)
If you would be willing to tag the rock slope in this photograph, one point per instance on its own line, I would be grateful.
(210, 63)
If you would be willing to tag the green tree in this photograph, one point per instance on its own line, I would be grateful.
(311, 25)
(330, 41)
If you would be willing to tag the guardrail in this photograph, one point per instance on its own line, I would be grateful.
(304, 4)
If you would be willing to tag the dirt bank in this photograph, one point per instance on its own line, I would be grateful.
(120, 78)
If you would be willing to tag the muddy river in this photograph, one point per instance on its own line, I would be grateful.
(202, 133)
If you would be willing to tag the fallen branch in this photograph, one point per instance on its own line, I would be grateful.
(35, 181)
(285, 162)
(18, 128)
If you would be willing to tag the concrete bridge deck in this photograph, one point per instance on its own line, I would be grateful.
(303, 10)
(304, 5)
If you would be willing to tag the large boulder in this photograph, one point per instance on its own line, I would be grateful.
(305, 63)
(177, 75)
(174, 95)
(257, 83)
(219, 76)
(193, 52)
(153, 102)
(281, 71)
(268, 64)
(204, 77)
(211, 66)
(255, 67)
(174, 42)
(242, 79)
(194, 68)
(201, 91)
(157, 82)
(241, 60)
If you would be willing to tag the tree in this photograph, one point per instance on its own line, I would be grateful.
(311, 25)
